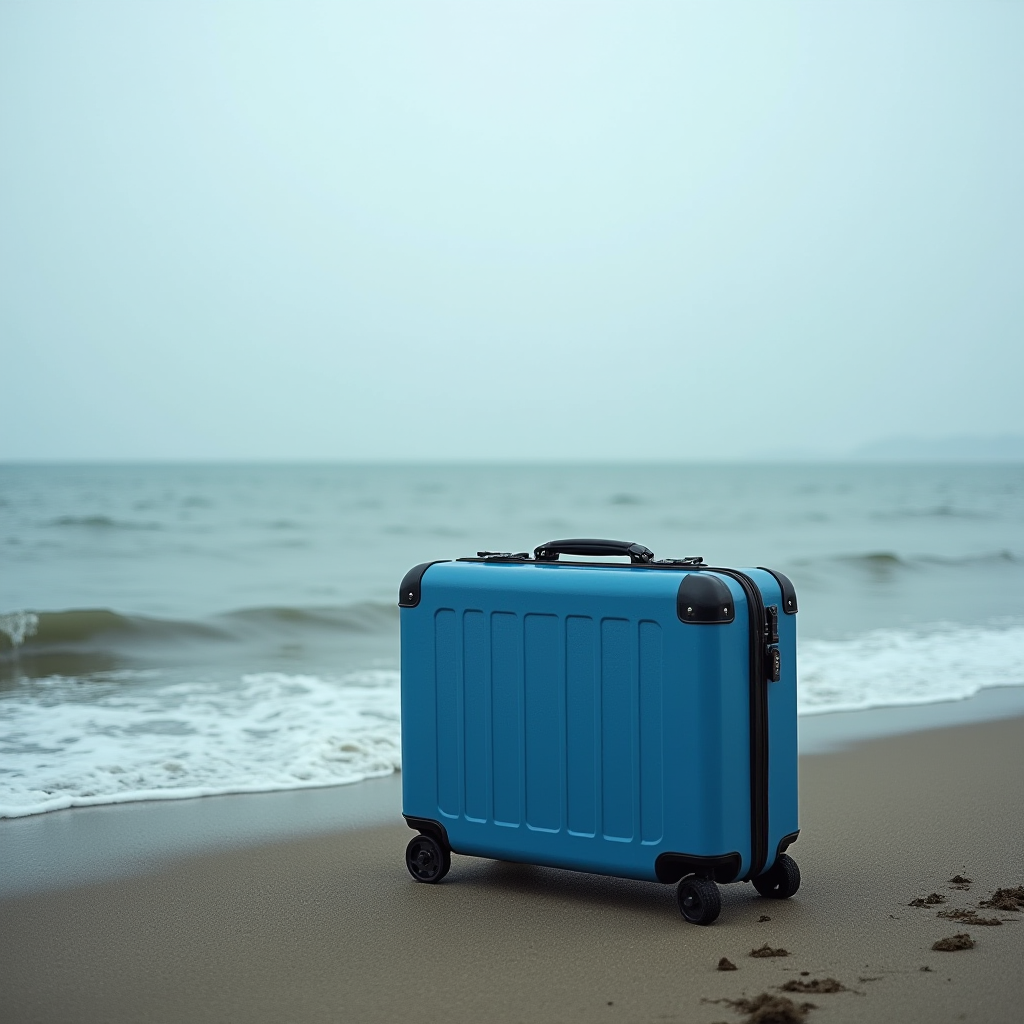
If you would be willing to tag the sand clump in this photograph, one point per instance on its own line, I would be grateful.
(927, 901)
(725, 964)
(959, 882)
(817, 986)
(770, 1009)
(766, 950)
(968, 916)
(954, 942)
(1006, 899)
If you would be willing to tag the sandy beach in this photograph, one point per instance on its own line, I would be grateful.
(330, 927)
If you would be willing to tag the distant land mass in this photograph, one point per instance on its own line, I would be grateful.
(958, 448)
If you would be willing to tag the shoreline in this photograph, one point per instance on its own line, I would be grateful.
(84, 845)
(323, 927)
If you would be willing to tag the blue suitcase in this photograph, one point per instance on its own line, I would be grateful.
(635, 720)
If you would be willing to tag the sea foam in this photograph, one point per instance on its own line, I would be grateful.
(888, 667)
(268, 731)
(17, 627)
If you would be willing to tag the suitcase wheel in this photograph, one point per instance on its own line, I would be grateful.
(700, 902)
(781, 880)
(426, 859)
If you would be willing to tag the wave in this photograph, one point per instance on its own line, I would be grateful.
(84, 627)
(102, 523)
(874, 560)
(934, 512)
(889, 560)
(363, 617)
(31, 631)
(992, 558)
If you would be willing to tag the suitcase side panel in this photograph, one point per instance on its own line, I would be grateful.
(722, 772)
(783, 770)
(446, 676)
(582, 738)
(419, 713)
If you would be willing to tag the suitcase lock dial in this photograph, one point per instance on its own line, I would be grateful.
(772, 655)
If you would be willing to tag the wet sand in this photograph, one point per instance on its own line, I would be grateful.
(330, 927)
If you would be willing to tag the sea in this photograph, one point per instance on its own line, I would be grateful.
(171, 631)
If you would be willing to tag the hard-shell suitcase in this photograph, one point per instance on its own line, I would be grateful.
(635, 720)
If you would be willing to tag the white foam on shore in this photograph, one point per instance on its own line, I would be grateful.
(72, 743)
(269, 731)
(891, 667)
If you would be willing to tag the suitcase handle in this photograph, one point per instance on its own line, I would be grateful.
(549, 552)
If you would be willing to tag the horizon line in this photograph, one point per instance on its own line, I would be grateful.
(737, 460)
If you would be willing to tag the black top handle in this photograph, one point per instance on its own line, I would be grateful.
(638, 554)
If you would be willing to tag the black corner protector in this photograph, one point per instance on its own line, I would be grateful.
(787, 841)
(670, 867)
(789, 605)
(703, 598)
(409, 591)
(429, 827)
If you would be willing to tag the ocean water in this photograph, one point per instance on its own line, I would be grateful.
(172, 631)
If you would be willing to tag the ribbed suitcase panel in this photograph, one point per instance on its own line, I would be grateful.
(618, 776)
(651, 714)
(506, 717)
(477, 714)
(581, 718)
(544, 695)
(562, 718)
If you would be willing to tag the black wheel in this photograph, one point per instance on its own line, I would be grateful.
(700, 902)
(426, 859)
(781, 880)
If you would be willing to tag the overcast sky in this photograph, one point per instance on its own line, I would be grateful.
(507, 230)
